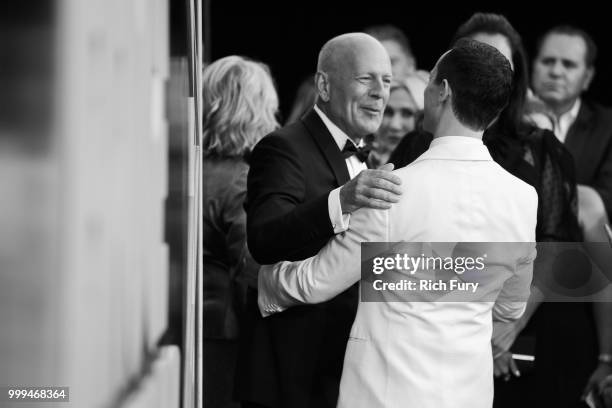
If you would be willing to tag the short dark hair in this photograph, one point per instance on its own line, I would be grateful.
(391, 32)
(591, 47)
(511, 118)
(480, 79)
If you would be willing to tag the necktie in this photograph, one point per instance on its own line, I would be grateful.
(361, 152)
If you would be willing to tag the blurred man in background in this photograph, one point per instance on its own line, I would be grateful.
(562, 71)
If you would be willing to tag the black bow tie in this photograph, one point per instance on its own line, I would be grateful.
(361, 152)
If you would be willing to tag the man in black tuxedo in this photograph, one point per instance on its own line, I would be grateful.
(305, 180)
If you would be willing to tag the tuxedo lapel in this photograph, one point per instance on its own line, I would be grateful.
(328, 146)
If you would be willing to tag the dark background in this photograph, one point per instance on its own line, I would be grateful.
(288, 35)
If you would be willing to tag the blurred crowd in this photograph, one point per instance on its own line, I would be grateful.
(549, 135)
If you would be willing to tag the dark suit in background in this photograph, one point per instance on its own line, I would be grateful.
(294, 359)
(589, 140)
(566, 332)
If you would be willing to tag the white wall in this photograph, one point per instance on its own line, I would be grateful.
(84, 266)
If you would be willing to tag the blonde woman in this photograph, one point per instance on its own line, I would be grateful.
(401, 115)
(239, 104)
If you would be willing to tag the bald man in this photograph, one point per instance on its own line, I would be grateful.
(405, 350)
(304, 182)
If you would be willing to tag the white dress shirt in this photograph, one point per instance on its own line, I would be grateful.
(338, 220)
(565, 121)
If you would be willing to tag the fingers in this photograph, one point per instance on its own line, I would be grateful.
(513, 368)
(384, 184)
(387, 167)
(497, 368)
(369, 181)
(376, 189)
(377, 204)
(372, 194)
(588, 388)
(599, 380)
(384, 175)
(500, 366)
(353, 199)
(504, 367)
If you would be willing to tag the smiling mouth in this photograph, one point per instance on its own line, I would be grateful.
(372, 110)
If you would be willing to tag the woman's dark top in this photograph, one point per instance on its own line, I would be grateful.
(227, 263)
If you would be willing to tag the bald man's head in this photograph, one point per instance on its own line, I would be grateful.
(339, 50)
(353, 80)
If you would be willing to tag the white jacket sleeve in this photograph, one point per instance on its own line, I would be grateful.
(512, 300)
(335, 268)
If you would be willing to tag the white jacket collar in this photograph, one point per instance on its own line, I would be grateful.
(456, 148)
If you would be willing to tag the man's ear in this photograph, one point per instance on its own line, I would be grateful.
(445, 92)
(590, 73)
(322, 85)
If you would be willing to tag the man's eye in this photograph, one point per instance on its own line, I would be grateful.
(569, 64)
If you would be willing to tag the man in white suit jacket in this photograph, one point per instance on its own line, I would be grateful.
(431, 354)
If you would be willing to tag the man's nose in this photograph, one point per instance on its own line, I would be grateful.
(379, 89)
(556, 69)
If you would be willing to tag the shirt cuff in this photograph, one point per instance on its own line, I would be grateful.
(339, 221)
(267, 292)
(508, 311)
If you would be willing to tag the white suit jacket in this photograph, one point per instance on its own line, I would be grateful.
(423, 354)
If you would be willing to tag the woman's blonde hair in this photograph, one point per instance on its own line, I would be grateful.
(415, 84)
(239, 106)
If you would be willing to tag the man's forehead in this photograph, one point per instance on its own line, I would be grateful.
(564, 45)
(358, 58)
(369, 59)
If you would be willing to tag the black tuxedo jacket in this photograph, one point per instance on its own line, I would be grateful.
(589, 139)
(294, 359)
